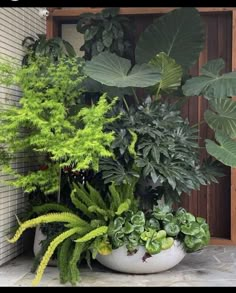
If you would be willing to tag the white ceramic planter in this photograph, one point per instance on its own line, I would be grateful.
(38, 237)
(119, 261)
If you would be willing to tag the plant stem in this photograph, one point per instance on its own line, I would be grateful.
(125, 102)
(135, 96)
(59, 186)
(157, 96)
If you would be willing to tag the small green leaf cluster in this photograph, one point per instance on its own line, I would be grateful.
(105, 31)
(157, 230)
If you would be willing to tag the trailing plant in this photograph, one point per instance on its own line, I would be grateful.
(50, 123)
(53, 48)
(84, 229)
(105, 31)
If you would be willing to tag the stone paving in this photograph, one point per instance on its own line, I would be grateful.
(214, 266)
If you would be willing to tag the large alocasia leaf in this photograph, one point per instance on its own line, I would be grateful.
(112, 70)
(179, 34)
(211, 84)
(171, 72)
(224, 116)
(225, 152)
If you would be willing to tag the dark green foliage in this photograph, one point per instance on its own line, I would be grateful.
(105, 31)
(179, 34)
(166, 151)
(53, 48)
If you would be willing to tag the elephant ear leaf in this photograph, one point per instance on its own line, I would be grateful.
(179, 34)
(224, 116)
(112, 70)
(225, 151)
(211, 83)
(171, 72)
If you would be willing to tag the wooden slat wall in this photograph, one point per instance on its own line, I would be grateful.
(211, 202)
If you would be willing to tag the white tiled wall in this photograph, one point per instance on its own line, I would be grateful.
(15, 25)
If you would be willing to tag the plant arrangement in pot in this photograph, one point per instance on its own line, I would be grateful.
(149, 156)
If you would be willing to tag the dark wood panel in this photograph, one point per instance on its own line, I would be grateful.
(211, 202)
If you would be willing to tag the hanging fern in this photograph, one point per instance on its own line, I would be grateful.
(53, 245)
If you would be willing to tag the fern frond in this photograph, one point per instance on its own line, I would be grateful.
(79, 205)
(96, 197)
(63, 259)
(51, 248)
(99, 212)
(115, 197)
(42, 251)
(82, 194)
(123, 207)
(93, 234)
(18, 220)
(48, 207)
(53, 217)
(74, 271)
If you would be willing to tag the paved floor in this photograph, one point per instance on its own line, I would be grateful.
(213, 266)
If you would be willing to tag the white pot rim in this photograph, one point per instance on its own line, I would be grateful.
(118, 260)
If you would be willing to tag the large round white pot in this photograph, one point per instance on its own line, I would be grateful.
(118, 260)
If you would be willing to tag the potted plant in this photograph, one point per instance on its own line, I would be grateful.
(125, 205)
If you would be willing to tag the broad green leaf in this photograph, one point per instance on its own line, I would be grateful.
(211, 83)
(123, 207)
(107, 38)
(94, 86)
(153, 247)
(166, 243)
(225, 151)
(69, 49)
(224, 116)
(171, 72)
(112, 70)
(172, 229)
(90, 33)
(179, 34)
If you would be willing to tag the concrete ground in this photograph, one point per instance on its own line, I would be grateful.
(213, 266)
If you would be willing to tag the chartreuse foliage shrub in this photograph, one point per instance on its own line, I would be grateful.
(83, 234)
(50, 124)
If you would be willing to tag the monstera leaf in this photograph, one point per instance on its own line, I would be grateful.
(211, 83)
(112, 70)
(171, 72)
(225, 152)
(224, 116)
(179, 34)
